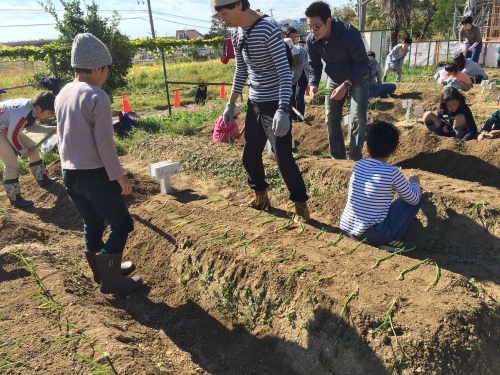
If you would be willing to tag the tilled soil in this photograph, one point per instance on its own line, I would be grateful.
(229, 290)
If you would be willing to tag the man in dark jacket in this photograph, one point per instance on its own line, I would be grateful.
(340, 45)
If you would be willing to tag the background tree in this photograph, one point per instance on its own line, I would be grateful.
(346, 13)
(217, 28)
(74, 21)
(398, 17)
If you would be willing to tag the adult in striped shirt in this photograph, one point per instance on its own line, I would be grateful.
(340, 46)
(15, 116)
(370, 213)
(261, 59)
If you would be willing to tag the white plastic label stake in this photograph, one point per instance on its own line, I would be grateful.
(269, 148)
(162, 171)
(417, 110)
(492, 86)
(484, 84)
(346, 120)
(407, 106)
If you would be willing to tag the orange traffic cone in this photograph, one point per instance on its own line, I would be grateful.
(125, 105)
(177, 99)
(222, 91)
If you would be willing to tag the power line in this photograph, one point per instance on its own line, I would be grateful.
(51, 24)
(180, 23)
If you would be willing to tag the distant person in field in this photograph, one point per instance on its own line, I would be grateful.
(471, 68)
(94, 178)
(261, 59)
(200, 94)
(498, 57)
(227, 133)
(440, 75)
(453, 118)
(491, 128)
(340, 46)
(300, 67)
(17, 115)
(470, 39)
(377, 87)
(370, 213)
(396, 58)
(456, 78)
(301, 82)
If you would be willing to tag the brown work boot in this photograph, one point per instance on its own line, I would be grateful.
(258, 199)
(302, 212)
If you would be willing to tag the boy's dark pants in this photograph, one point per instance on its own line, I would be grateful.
(98, 200)
(258, 129)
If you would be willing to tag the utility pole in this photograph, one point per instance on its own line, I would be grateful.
(151, 20)
(362, 14)
(271, 11)
(162, 58)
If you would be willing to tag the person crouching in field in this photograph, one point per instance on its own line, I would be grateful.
(456, 78)
(16, 115)
(369, 214)
(229, 133)
(453, 118)
(491, 128)
(396, 58)
(94, 178)
(440, 74)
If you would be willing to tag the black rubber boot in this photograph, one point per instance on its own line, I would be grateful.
(13, 191)
(39, 171)
(112, 281)
(126, 267)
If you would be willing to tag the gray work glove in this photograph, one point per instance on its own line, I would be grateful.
(229, 113)
(281, 123)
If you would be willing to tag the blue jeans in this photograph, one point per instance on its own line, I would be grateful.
(383, 89)
(358, 114)
(474, 54)
(258, 129)
(98, 200)
(394, 225)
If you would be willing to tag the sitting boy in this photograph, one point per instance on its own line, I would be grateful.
(369, 213)
(16, 115)
(200, 94)
(229, 133)
(491, 128)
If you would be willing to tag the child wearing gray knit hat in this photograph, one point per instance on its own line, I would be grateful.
(88, 52)
(92, 173)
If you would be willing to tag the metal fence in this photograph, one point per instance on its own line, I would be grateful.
(427, 53)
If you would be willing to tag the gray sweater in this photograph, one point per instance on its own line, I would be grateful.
(85, 129)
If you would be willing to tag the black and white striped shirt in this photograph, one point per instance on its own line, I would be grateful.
(263, 62)
(371, 190)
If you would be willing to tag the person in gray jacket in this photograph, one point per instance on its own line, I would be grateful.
(470, 67)
(396, 58)
(377, 88)
(300, 66)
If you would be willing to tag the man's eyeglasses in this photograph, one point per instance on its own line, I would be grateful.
(316, 27)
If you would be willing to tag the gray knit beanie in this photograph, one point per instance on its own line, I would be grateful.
(88, 52)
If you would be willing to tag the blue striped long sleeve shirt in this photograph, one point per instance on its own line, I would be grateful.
(263, 62)
(371, 191)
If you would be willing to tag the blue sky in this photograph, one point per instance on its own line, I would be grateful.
(168, 16)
